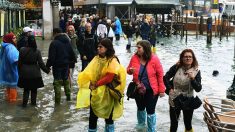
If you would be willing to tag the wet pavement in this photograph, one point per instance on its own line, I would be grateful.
(46, 117)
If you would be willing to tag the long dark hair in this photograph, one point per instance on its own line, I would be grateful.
(195, 62)
(32, 42)
(147, 49)
(107, 43)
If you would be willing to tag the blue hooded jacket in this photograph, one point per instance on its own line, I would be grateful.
(8, 65)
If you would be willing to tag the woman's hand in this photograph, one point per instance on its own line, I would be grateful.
(161, 94)
(190, 75)
(132, 70)
(92, 86)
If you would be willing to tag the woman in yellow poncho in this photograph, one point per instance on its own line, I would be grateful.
(93, 90)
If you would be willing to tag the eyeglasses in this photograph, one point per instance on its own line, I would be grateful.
(188, 57)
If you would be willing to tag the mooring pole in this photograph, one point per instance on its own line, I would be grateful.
(209, 30)
(186, 40)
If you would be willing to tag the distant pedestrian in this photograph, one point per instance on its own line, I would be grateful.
(101, 30)
(110, 33)
(22, 41)
(147, 72)
(8, 66)
(129, 33)
(87, 46)
(145, 30)
(74, 42)
(30, 78)
(182, 79)
(153, 34)
(117, 28)
(60, 55)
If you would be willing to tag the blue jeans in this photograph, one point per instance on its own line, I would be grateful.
(60, 73)
(147, 101)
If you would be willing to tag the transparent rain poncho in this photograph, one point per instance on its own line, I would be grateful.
(101, 102)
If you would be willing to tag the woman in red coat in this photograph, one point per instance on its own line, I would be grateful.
(147, 72)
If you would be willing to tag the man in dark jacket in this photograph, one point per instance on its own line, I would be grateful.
(60, 55)
(87, 46)
(23, 38)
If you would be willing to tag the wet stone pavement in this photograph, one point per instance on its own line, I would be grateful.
(46, 117)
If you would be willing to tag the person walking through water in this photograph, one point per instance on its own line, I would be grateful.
(183, 78)
(147, 73)
(60, 55)
(30, 78)
(100, 71)
(74, 42)
(8, 67)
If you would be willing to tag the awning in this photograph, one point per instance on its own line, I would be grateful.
(118, 3)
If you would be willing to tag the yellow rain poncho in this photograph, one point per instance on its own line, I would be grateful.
(101, 101)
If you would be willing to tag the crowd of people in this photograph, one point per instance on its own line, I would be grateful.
(102, 74)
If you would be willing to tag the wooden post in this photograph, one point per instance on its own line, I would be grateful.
(197, 27)
(186, 40)
(201, 25)
(209, 30)
(215, 27)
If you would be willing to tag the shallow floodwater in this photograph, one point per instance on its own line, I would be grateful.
(46, 117)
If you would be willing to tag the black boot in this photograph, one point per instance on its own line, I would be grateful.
(231, 90)
(25, 97)
(34, 97)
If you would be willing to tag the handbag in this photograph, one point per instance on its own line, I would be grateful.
(133, 90)
(114, 92)
(187, 103)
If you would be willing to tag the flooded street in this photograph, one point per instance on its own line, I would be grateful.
(45, 117)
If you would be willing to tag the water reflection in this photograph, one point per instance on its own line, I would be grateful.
(46, 117)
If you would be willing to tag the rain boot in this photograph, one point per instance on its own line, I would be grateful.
(7, 94)
(57, 89)
(109, 127)
(141, 117)
(67, 90)
(154, 50)
(151, 121)
(188, 130)
(25, 97)
(13, 95)
(92, 130)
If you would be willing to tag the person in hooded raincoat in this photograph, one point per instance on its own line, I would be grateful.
(93, 91)
(8, 67)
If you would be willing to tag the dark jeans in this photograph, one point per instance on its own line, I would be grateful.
(147, 101)
(93, 119)
(60, 73)
(174, 116)
(84, 64)
(117, 37)
(152, 42)
(26, 96)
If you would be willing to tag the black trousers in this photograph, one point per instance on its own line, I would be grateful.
(174, 116)
(93, 119)
(26, 96)
(117, 37)
(147, 101)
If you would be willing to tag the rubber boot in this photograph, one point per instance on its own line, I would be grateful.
(188, 130)
(7, 94)
(141, 117)
(34, 97)
(25, 97)
(109, 127)
(154, 50)
(92, 130)
(67, 90)
(151, 121)
(13, 95)
(57, 88)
